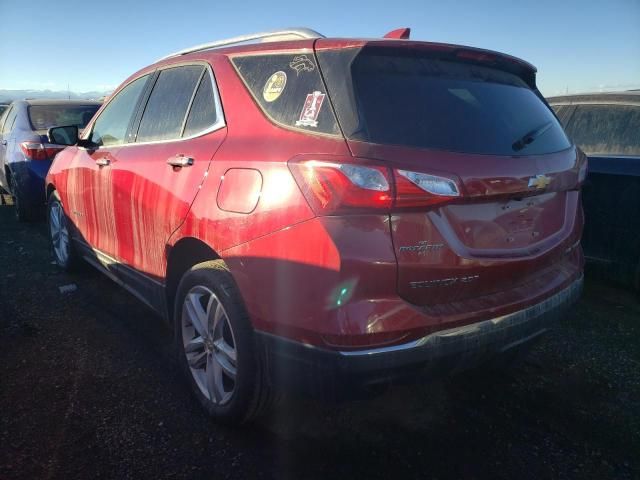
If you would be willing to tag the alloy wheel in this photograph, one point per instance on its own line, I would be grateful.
(209, 344)
(59, 233)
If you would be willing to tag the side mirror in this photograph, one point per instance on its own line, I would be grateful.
(63, 135)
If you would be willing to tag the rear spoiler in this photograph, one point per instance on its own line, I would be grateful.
(444, 51)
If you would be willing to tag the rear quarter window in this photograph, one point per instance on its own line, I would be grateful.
(606, 129)
(289, 90)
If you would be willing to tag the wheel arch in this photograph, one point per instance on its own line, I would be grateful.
(181, 256)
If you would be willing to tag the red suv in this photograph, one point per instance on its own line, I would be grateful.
(326, 213)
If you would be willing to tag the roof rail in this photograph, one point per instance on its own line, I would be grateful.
(268, 36)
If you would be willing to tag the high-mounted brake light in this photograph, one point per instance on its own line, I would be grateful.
(40, 151)
(476, 56)
(334, 188)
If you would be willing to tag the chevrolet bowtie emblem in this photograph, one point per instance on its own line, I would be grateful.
(539, 181)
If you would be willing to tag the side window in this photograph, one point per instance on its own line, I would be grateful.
(10, 119)
(289, 90)
(168, 103)
(111, 126)
(606, 129)
(203, 109)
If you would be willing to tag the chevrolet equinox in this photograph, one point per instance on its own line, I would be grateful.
(326, 213)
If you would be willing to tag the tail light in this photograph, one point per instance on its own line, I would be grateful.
(40, 151)
(333, 188)
(414, 189)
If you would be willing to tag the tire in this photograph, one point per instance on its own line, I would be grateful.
(62, 248)
(24, 211)
(223, 367)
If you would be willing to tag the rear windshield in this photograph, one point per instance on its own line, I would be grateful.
(405, 97)
(606, 129)
(43, 117)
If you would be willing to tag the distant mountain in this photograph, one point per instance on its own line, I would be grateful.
(7, 96)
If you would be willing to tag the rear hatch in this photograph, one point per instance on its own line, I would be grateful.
(469, 130)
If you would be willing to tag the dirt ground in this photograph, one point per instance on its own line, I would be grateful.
(89, 389)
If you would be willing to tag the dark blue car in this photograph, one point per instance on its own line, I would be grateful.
(25, 152)
(606, 126)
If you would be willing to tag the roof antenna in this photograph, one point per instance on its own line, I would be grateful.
(399, 34)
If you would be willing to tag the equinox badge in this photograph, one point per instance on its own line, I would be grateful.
(444, 282)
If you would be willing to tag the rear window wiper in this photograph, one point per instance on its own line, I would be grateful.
(530, 137)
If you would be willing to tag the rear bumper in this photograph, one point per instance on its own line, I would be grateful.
(292, 365)
(30, 176)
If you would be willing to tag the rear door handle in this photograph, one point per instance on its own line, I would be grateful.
(103, 162)
(180, 161)
(4, 142)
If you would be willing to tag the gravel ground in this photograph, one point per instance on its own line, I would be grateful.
(89, 389)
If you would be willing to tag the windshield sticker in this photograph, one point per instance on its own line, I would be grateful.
(311, 110)
(301, 63)
(274, 86)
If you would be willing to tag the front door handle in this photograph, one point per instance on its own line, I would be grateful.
(180, 161)
(103, 162)
(4, 142)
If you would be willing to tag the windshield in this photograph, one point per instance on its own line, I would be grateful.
(404, 97)
(43, 117)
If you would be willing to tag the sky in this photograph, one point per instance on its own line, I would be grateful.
(577, 46)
